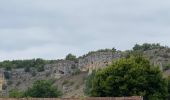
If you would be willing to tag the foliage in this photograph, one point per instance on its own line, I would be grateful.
(43, 89)
(113, 50)
(71, 57)
(14, 93)
(27, 64)
(39, 64)
(130, 77)
(147, 46)
(88, 83)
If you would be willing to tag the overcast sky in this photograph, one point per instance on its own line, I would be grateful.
(51, 29)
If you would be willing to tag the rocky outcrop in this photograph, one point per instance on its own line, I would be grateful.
(20, 79)
(97, 60)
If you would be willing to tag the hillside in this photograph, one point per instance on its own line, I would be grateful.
(69, 74)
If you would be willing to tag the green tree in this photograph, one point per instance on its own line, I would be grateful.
(39, 64)
(147, 46)
(136, 47)
(71, 57)
(130, 77)
(43, 89)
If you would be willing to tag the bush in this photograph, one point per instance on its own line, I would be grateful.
(43, 89)
(129, 77)
(71, 57)
(147, 46)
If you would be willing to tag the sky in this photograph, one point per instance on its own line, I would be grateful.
(51, 29)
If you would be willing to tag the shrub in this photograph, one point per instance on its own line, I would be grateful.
(129, 77)
(43, 89)
(71, 57)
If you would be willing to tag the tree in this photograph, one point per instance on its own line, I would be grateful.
(147, 46)
(113, 49)
(71, 57)
(43, 89)
(39, 64)
(133, 76)
(136, 47)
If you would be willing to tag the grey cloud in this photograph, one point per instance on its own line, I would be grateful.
(53, 28)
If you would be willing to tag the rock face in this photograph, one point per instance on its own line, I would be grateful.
(18, 78)
(97, 60)
(2, 83)
(159, 57)
(60, 68)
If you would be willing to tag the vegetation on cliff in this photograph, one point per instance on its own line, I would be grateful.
(40, 89)
(147, 46)
(143, 71)
(71, 57)
(27, 64)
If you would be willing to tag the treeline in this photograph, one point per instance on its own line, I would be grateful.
(148, 46)
(27, 64)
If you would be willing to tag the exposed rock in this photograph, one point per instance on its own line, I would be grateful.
(60, 69)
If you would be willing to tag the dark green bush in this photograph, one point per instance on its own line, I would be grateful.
(129, 77)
